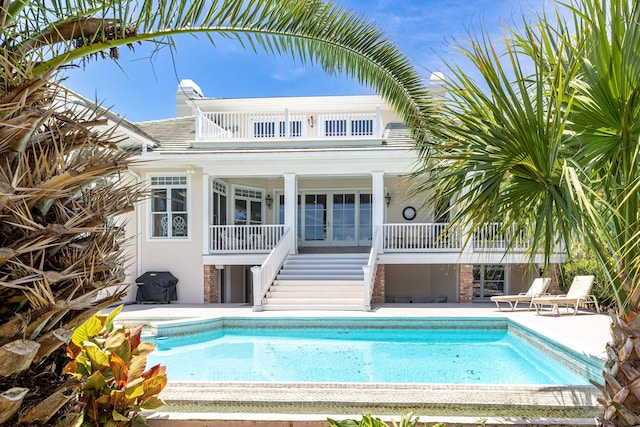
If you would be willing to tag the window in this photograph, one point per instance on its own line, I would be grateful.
(442, 213)
(488, 281)
(267, 129)
(295, 129)
(264, 130)
(169, 218)
(335, 127)
(219, 200)
(362, 127)
(247, 206)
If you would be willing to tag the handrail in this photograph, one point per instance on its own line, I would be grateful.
(288, 124)
(264, 275)
(420, 237)
(370, 270)
(244, 238)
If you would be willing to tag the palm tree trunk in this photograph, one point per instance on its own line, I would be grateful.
(621, 391)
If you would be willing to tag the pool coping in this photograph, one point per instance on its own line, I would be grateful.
(564, 402)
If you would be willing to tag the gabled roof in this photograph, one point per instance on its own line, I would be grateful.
(173, 134)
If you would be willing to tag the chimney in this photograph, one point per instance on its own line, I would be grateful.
(187, 90)
(436, 86)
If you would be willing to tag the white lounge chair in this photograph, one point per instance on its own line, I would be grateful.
(579, 294)
(537, 288)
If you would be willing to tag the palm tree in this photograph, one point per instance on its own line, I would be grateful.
(61, 180)
(542, 133)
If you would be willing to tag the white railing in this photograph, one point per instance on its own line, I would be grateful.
(288, 124)
(244, 238)
(491, 238)
(264, 275)
(425, 237)
(370, 270)
(437, 237)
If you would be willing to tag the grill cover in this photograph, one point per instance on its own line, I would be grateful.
(157, 286)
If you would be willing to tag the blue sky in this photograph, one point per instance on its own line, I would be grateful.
(426, 31)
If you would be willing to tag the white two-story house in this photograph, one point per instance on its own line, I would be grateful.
(303, 202)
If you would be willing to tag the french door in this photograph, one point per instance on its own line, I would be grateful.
(335, 218)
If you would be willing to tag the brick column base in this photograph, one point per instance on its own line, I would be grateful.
(466, 283)
(211, 294)
(378, 285)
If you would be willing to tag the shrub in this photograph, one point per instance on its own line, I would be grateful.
(584, 263)
(111, 363)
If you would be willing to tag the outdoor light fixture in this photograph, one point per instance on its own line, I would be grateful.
(269, 201)
(310, 121)
(387, 198)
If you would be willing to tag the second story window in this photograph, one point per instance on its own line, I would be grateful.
(264, 130)
(169, 218)
(362, 127)
(267, 129)
(335, 127)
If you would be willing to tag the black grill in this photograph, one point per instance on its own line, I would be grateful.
(157, 286)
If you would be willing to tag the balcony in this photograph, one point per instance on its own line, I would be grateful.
(407, 238)
(288, 125)
(437, 237)
(244, 239)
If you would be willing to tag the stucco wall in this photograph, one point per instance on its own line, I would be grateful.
(182, 257)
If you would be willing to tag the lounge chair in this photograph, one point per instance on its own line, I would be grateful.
(537, 288)
(419, 298)
(579, 295)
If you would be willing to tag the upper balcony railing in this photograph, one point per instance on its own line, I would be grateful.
(288, 125)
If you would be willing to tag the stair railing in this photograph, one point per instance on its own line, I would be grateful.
(265, 274)
(370, 270)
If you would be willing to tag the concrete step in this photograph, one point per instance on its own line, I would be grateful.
(336, 261)
(306, 307)
(323, 267)
(320, 275)
(314, 301)
(275, 294)
(286, 286)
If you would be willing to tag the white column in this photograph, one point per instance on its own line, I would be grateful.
(206, 214)
(290, 208)
(378, 201)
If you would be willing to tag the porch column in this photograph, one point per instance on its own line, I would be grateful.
(290, 208)
(377, 189)
(206, 214)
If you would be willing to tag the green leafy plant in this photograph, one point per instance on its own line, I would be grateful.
(370, 421)
(112, 362)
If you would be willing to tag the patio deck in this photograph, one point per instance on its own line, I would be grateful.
(270, 405)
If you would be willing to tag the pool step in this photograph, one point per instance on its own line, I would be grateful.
(319, 282)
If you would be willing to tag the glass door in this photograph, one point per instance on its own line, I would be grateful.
(488, 281)
(333, 219)
(315, 219)
(343, 214)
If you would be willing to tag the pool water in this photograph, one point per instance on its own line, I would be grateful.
(338, 355)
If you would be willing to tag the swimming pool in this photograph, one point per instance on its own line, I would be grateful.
(391, 350)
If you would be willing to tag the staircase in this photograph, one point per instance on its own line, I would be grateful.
(319, 282)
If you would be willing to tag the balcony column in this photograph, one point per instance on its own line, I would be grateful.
(377, 189)
(206, 215)
(290, 208)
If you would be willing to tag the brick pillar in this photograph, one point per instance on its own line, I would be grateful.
(553, 273)
(466, 283)
(378, 285)
(211, 284)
